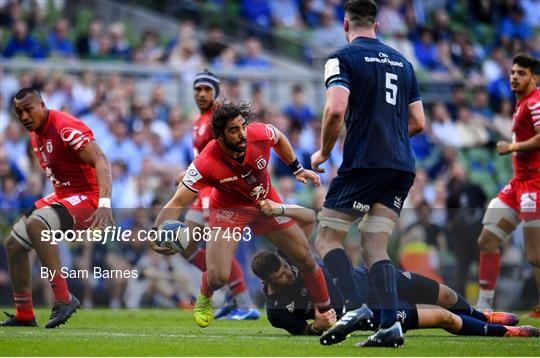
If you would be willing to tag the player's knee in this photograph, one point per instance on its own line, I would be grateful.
(34, 228)
(332, 223)
(13, 248)
(447, 297)
(448, 320)
(52, 218)
(499, 221)
(374, 224)
(190, 249)
(307, 263)
(324, 243)
(372, 245)
(487, 242)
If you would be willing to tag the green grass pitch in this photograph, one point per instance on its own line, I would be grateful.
(154, 332)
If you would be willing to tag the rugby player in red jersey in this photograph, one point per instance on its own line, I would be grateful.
(81, 178)
(235, 164)
(520, 199)
(206, 91)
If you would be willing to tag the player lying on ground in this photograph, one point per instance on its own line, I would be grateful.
(423, 303)
(235, 165)
(81, 177)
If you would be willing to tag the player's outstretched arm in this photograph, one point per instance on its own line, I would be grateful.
(305, 217)
(171, 211)
(285, 151)
(94, 156)
(337, 99)
(417, 119)
(528, 145)
(179, 178)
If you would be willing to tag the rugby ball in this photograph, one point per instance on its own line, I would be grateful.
(173, 234)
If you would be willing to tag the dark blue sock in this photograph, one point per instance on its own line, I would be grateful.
(462, 307)
(338, 264)
(474, 327)
(478, 315)
(383, 276)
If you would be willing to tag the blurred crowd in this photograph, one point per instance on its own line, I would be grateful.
(27, 31)
(147, 137)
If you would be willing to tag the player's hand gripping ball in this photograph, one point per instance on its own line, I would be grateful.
(173, 234)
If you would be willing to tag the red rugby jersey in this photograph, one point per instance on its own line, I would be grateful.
(57, 147)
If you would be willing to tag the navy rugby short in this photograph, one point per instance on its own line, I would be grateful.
(356, 191)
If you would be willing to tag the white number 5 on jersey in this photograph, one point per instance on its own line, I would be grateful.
(391, 88)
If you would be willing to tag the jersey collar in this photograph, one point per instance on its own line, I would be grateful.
(364, 39)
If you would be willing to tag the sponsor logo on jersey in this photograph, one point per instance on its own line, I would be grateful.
(290, 307)
(407, 274)
(49, 146)
(360, 207)
(52, 178)
(535, 113)
(258, 192)
(270, 132)
(226, 180)
(383, 60)
(303, 291)
(245, 175)
(226, 215)
(382, 54)
(74, 137)
(534, 106)
(261, 163)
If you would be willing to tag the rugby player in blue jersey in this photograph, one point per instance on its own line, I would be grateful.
(372, 89)
(422, 302)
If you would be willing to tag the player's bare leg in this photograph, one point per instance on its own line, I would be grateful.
(436, 317)
(192, 245)
(489, 268)
(294, 244)
(20, 274)
(48, 254)
(499, 221)
(219, 255)
(243, 306)
(535, 312)
(19, 266)
(531, 234)
(65, 304)
(376, 228)
(333, 228)
(375, 237)
(454, 302)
